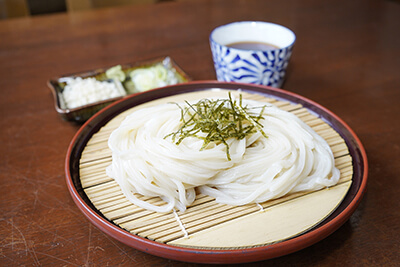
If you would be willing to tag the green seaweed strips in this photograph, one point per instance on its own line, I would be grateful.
(219, 119)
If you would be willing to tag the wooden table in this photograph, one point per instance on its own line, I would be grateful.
(347, 58)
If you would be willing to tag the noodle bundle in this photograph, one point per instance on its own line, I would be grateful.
(146, 160)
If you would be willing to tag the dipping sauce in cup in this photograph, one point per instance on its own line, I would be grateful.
(252, 52)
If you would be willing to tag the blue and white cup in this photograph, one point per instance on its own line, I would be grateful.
(252, 52)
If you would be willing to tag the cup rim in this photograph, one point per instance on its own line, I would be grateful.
(250, 22)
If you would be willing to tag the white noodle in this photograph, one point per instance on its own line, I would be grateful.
(185, 233)
(261, 207)
(293, 158)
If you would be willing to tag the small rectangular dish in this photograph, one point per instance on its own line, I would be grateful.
(78, 96)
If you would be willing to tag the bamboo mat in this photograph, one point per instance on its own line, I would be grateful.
(205, 220)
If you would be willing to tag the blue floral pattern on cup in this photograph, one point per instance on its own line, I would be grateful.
(257, 67)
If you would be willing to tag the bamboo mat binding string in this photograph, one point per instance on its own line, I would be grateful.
(204, 213)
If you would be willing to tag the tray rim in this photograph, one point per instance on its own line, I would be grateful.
(242, 255)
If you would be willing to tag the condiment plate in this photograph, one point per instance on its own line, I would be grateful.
(81, 113)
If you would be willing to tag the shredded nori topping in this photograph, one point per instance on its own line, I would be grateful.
(220, 119)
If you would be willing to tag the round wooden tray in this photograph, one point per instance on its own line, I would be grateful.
(209, 232)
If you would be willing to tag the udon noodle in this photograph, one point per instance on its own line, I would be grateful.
(292, 158)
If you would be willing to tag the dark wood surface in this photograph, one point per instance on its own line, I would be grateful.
(346, 58)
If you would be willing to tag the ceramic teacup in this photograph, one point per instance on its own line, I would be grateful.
(252, 52)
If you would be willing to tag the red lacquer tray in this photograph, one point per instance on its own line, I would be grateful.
(232, 255)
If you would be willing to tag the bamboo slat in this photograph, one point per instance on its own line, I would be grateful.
(205, 218)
